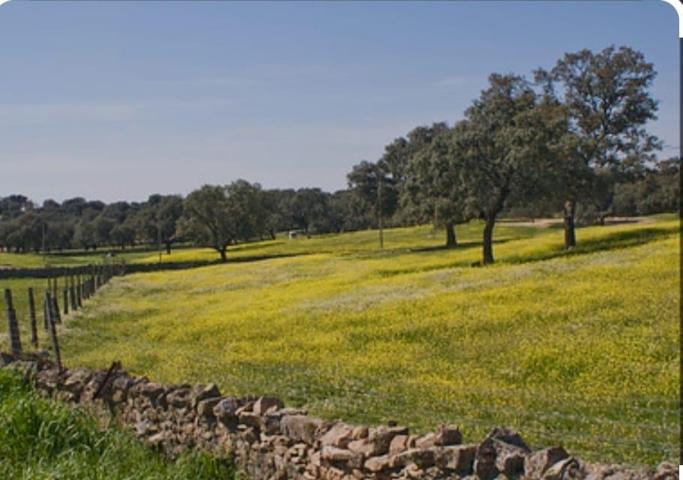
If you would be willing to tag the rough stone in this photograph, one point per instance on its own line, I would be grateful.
(360, 432)
(666, 471)
(250, 419)
(447, 435)
(341, 455)
(566, 469)
(378, 464)
(363, 446)
(457, 458)
(151, 391)
(380, 438)
(205, 406)
(203, 392)
(264, 404)
(427, 440)
(418, 456)
(485, 460)
(339, 435)
(508, 436)
(226, 409)
(539, 462)
(509, 458)
(76, 380)
(179, 398)
(398, 444)
(300, 427)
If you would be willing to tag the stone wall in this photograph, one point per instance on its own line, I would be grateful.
(267, 440)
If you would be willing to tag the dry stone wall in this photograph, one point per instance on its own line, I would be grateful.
(267, 440)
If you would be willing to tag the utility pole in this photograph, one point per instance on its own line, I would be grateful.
(379, 210)
(43, 242)
(159, 236)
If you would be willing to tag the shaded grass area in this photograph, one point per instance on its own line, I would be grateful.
(42, 439)
(579, 348)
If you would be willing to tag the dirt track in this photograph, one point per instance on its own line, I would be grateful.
(554, 222)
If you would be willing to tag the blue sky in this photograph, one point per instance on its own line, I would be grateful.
(117, 100)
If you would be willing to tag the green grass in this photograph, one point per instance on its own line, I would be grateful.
(397, 239)
(579, 348)
(42, 439)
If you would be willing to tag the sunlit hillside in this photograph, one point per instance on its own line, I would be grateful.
(578, 348)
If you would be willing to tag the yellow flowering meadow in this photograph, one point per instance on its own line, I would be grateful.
(579, 348)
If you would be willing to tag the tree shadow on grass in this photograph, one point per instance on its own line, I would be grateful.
(156, 267)
(459, 246)
(611, 241)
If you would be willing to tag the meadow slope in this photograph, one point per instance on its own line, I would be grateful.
(578, 348)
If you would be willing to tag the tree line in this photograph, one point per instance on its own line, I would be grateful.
(571, 140)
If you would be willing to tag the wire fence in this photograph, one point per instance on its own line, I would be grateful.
(62, 294)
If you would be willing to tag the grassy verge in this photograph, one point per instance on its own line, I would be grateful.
(42, 439)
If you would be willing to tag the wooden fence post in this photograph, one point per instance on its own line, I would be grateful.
(15, 340)
(72, 291)
(79, 291)
(53, 331)
(65, 299)
(55, 310)
(32, 313)
(46, 315)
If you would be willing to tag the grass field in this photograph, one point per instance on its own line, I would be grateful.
(41, 439)
(401, 238)
(578, 348)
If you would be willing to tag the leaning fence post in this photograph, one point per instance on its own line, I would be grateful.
(53, 330)
(15, 340)
(79, 291)
(32, 313)
(46, 314)
(55, 309)
(65, 299)
(72, 292)
(54, 287)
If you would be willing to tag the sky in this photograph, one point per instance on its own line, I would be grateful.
(119, 100)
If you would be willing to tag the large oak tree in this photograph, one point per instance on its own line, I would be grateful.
(608, 99)
(506, 149)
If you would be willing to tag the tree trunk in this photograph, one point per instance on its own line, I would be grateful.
(168, 248)
(451, 239)
(569, 224)
(224, 256)
(488, 240)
